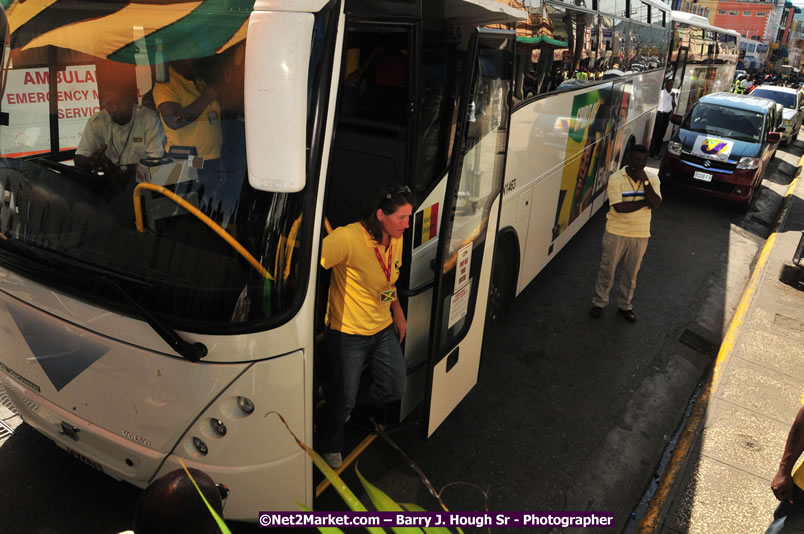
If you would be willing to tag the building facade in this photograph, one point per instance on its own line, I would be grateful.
(753, 20)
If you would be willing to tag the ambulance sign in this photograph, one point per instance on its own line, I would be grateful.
(27, 102)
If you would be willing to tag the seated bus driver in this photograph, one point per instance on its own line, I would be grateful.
(122, 133)
(190, 110)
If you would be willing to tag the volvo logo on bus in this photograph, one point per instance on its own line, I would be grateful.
(707, 163)
(135, 437)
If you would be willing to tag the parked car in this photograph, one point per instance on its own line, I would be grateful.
(793, 112)
(723, 146)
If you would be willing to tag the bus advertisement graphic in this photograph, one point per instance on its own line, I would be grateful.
(615, 137)
(587, 130)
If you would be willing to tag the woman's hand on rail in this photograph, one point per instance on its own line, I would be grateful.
(400, 323)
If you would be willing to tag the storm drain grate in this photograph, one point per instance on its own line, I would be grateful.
(788, 322)
(5, 430)
(762, 222)
(698, 342)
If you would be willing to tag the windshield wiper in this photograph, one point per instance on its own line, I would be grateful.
(190, 351)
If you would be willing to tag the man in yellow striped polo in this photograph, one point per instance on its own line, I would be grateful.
(633, 196)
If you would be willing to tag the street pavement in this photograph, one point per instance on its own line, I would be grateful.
(748, 405)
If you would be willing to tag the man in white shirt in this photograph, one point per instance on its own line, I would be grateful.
(122, 133)
(667, 103)
(748, 84)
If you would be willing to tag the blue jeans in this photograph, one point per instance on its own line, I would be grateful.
(789, 518)
(347, 353)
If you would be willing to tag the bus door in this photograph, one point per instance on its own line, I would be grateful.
(470, 223)
(376, 119)
(679, 69)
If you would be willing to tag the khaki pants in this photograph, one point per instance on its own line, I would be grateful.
(616, 248)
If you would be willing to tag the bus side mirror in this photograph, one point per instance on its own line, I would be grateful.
(676, 118)
(774, 137)
(277, 67)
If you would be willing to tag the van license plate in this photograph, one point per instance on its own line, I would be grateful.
(703, 176)
(82, 458)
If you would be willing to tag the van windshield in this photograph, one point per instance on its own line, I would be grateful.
(788, 100)
(125, 157)
(714, 119)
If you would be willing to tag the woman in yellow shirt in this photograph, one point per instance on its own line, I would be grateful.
(364, 318)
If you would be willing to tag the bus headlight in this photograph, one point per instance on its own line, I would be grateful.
(245, 405)
(748, 163)
(200, 446)
(218, 426)
(674, 148)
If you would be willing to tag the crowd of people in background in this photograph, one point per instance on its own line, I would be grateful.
(745, 83)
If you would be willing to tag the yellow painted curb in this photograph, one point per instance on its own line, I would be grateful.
(650, 521)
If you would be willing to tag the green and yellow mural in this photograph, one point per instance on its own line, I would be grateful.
(587, 142)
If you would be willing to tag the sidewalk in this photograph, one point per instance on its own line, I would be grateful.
(718, 480)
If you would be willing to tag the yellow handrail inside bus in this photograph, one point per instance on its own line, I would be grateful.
(198, 214)
(290, 244)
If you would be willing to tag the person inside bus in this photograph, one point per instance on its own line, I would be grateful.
(376, 81)
(172, 505)
(633, 195)
(365, 321)
(191, 114)
(122, 133)
(190, 110)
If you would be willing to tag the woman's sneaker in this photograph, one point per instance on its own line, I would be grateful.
(334, 459)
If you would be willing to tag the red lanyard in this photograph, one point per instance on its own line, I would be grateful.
(386, 269)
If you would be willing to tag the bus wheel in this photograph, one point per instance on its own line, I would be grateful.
(500, 288)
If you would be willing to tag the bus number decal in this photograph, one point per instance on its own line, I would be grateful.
(509, 187)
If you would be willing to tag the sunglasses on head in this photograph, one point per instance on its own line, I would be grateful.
(396, 190)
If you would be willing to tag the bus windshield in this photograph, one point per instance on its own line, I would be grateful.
(125, 154)
(788, 100)
(729, 122)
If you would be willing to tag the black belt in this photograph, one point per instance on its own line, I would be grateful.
(665, 112)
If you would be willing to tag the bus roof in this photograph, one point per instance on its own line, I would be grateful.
(700, 22)
(457, 11)
(658, 4)
(482, 12)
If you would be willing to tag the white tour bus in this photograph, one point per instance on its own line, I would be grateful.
(159, 310)
(587, 88)
(703, 59)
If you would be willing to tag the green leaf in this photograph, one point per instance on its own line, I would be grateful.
(384, 503)
(221, 525)
(343, 490)
(323, 530)
(340, 486)
(428, 530)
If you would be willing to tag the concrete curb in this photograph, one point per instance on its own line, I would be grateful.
(657, 508)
